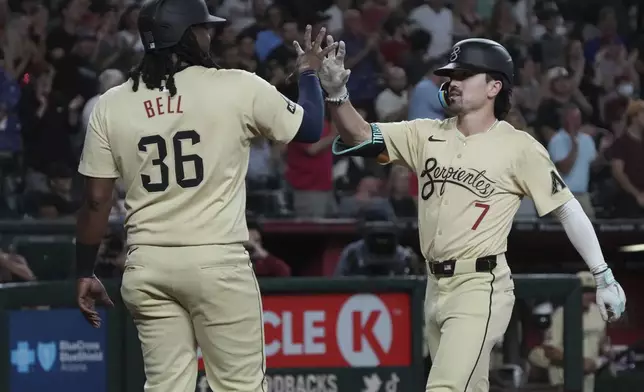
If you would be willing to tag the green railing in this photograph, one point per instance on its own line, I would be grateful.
(123, 355)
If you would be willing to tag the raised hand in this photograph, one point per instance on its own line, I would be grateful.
(333, 75)
(310, 58)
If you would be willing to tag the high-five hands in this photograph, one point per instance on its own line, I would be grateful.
(310, 58)
(333, 76)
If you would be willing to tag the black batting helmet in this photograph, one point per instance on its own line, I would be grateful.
(480, 55)
(162, 23)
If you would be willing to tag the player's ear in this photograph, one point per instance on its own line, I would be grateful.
(494, 87)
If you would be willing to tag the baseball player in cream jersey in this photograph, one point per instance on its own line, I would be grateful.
(473, 169)
(178, 135)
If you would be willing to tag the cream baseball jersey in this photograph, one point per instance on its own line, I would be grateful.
(470, 187)
(183, 159)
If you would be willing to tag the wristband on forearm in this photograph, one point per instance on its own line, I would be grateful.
(85, 259)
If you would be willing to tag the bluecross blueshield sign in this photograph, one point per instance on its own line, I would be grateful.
(56, 350)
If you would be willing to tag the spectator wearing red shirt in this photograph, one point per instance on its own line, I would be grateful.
(264, 264)
(309, 172)
(628, 164)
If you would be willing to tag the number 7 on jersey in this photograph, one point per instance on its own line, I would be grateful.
(485, 208)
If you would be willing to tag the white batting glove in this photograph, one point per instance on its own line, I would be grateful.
(333, 76)
(611, 298)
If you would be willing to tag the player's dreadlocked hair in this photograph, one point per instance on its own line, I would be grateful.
(157, 68)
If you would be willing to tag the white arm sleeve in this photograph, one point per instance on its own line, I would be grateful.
(581, 234)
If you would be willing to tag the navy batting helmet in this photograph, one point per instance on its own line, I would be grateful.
(479, 55)
(162, 23)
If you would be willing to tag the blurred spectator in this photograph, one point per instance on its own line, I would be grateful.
(402, 202)
(10, 135)
(436, 19)
(111, 257)
(527, 92)
(367, 196)
(128, 30)
(558, 91)
(106, 80)
(417, 62)
(18, 50)
(504, 29)
(241, 13)
(112, 51)
(285, 54)
(424, 102)
(374, 14)
(309, 173)
(62, 38)
(378, 252)
(264, 264)
(395, 48)
(336, 16)
(549, 50)
(364, 60)
(271, 37)
(467, 22)
(230, 57)
(263, 165)
(248, 60)
(14, 268)
(391, 104)
(574, 152)
(628, 164)
(615, 69)
(608, 35)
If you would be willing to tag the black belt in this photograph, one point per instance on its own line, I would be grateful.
(447, 267)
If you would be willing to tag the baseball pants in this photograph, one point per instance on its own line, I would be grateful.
(181, 297)
(465, 316)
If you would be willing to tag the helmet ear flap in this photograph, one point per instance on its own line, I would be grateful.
(443, 95)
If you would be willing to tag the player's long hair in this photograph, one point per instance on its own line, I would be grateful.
(502, 102)
(157, 68)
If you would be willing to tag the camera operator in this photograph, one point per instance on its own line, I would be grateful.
(264, 263)
(378, 252)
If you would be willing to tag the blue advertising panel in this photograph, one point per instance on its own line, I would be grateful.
(56, 350)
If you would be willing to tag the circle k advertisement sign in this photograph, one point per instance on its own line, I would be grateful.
(337, 330)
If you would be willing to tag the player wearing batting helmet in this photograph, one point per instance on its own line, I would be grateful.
(473, 170)
(178, 135)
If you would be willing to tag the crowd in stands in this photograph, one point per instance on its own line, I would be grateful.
(579, 75)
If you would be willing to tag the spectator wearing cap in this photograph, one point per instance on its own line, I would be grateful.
(574, 153)
(309, 172)
(559, 91)
(336, 16)
(594, 337)
(438, 21)
(424, 102)
(392, 103)
(627, 163)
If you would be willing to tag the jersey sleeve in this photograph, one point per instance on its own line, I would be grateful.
(539, 179)
(401, 140)
(273, 115)
(97, 159)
